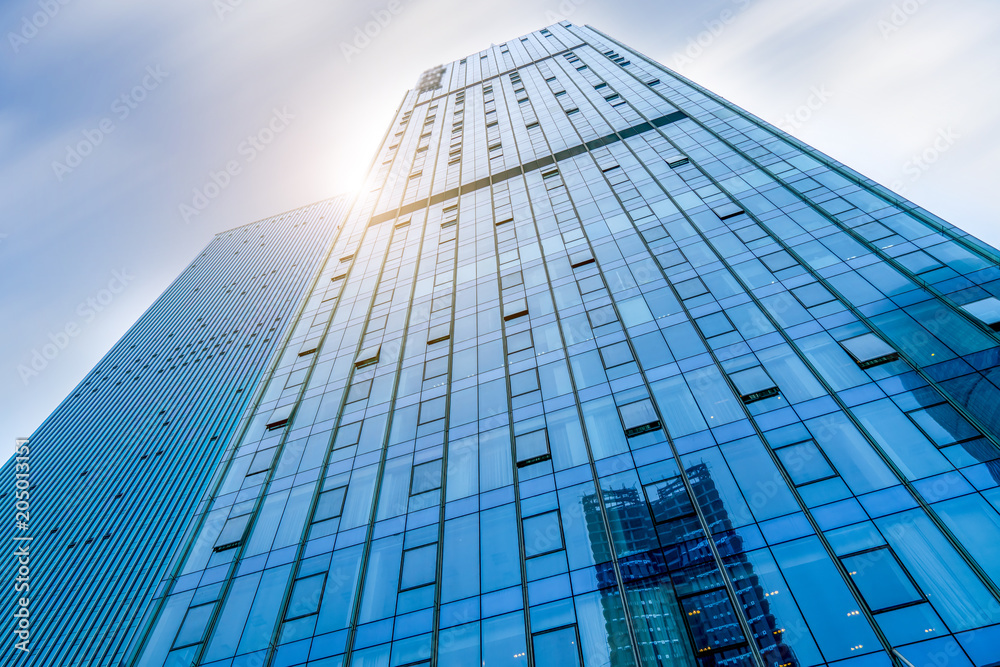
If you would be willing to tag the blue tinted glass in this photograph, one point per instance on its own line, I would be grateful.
(804, 463)
(560, 647)
(881, 580)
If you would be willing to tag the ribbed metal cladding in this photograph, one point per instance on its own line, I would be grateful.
(118, 467)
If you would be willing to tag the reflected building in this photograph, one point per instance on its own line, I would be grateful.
(698, 626)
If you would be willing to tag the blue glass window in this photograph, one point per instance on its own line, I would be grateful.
(943, 425)
(542, 534)
(805, 463)
(639, 417)
(419, 567)
(986, 310)
(194, 625)
(426, 477)
(330, 504)
(531, 448)
(557, 648)
(754, 384)
(869, 350)
(307, 593)
(616, 355)
(881, 579)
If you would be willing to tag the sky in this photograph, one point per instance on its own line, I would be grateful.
(115, 115)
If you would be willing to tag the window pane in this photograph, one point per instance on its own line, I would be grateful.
(881, 579)
(986, 310)
(419, 567)
(754, 384)
(943, 424)
(869, 350)
(194, 625)
(426, 477)
(558, 648)
(504, 642)
(542, 534)
(306, 595)
(669, 500)
(805, 463)
(531, 447)
(639, 417)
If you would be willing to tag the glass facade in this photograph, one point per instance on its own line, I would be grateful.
(116, 472)
(602, 370)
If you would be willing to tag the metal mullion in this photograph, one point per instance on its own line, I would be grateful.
(629, 625)
(730, 586)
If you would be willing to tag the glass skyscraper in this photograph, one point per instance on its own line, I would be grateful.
(597, 369)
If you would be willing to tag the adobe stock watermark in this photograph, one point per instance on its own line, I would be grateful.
(920, 163)
(248, 149)
(714, 28)
(22, 545)
(818, 96)
(370, 30)
(224, 8)
(87, 311)
(899, 16)
(122, 107)
(31, 25)
(565, 10)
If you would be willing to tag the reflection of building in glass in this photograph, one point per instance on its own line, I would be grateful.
(656, 615)
(680, 580)
(765, 627)
(390, 418)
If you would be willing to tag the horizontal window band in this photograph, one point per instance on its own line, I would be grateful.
(227, 546)
(530, 166)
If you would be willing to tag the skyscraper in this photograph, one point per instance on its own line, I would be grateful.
(115, 473)
(598, 369)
